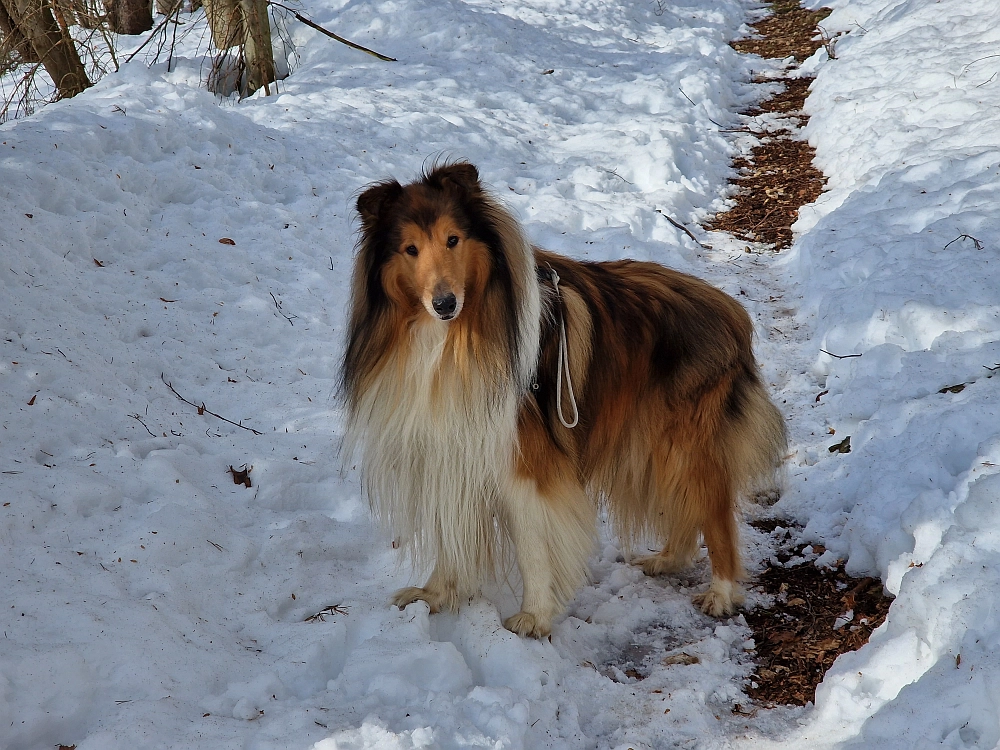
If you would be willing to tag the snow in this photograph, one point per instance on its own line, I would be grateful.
(152, 602)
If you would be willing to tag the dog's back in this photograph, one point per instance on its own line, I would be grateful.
(674, 422)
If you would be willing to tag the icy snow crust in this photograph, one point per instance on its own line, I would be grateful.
(153, 603)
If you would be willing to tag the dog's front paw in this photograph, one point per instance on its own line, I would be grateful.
(721, 599)
(528, 625)
(443, 600)
(404, 597)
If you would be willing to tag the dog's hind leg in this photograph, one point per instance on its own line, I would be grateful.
(695, 497)
(552, 529)
(676, 555)
(724, 594)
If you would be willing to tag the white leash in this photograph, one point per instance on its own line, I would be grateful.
(563, 363)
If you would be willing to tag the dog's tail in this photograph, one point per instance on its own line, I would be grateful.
(756, 439)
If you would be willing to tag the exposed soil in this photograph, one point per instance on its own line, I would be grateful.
(817, 614)
(788, 32)
(778, 177)
(775, 181)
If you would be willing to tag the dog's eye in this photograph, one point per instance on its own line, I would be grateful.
(452, 241)
(411, 250)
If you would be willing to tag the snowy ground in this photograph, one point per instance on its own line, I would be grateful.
(155, 603)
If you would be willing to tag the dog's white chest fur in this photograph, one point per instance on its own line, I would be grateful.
(437, 451)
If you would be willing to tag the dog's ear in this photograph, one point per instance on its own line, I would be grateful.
(378, 197)
(461, 175)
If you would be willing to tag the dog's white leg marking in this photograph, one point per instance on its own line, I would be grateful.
(440, 592)
(527, 525)
(553, 538)
(721, 599)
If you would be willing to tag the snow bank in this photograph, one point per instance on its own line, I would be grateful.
(155, 235)
(899, 264)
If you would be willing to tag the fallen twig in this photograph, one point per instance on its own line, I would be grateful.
(286, 316)
(138, 419)
(978, 245)
(205, 410)
(348, 42)
(840, 356)
(613, 172)
(683, 229)
(333, 609)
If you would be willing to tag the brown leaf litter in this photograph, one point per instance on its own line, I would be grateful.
(818, 613)
(778, 177)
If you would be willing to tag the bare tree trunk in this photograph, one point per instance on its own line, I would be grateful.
(166, 7)
(130, 16)
(257, 47)
(226, 23)
(13, 40)
(52, 45)
(244, 24)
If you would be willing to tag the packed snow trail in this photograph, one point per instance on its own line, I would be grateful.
(156, 235)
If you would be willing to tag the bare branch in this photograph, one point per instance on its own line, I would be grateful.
(314, 25)
(683, 229)
(202, 409)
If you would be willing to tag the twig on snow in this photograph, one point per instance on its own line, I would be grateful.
(613, 172)
(683, 229)
(348, 42)
(286, 316)
(333, 609)
(829, 43)
(965, 68)
(978, 245)
(840, 356)
(138, 419)
(202, 409)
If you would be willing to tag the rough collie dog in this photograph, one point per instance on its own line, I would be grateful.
(499, 394)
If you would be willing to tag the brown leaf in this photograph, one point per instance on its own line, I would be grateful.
(844, 446)
(227, 241)
(98, 263)
(32, 401)
(242, 476)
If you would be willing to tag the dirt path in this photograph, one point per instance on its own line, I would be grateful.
(815, 612)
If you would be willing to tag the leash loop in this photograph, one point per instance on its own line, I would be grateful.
(563, 363)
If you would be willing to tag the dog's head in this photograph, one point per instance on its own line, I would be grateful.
(425, 240)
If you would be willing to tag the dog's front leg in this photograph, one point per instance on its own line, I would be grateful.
(553, 535)
(440, 592)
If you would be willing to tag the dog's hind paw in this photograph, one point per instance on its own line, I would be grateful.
(721, 599)
(658, 565)
(528, 625)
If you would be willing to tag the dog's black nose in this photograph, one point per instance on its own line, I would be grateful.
(445, 305)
